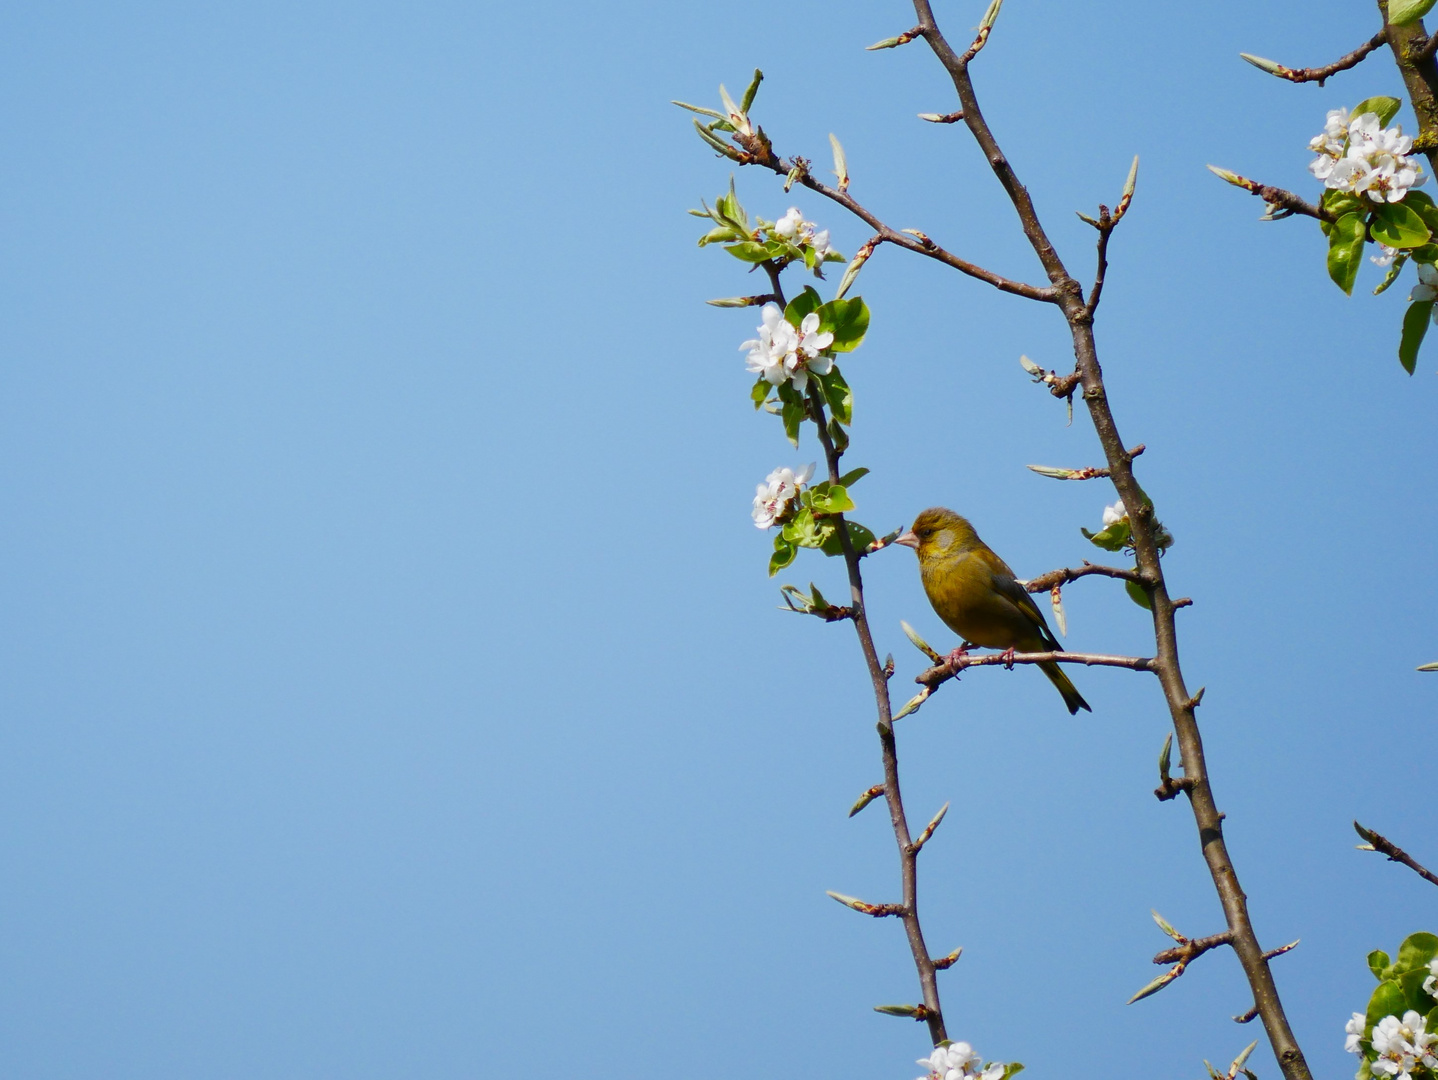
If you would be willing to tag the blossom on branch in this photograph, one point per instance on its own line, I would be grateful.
(957, 1061)
(1385, 256)
(783, 352)
(1430, 984)
(1353, 1044)
(1115, 513)
(1361, 156)
(780, 488)
(794, 228)
(1401, 1045)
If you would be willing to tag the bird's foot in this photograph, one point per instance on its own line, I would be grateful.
(1008, 655)
(956, 659)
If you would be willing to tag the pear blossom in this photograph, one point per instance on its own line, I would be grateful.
(1430, 984)
(1384, 257)
(783, 352)
(1427, 287)
(957, 1061)
(1402, 1045)
(1353, 1043)
(1358, 154)
(793, 227)
(1114, 514)
(779, 489)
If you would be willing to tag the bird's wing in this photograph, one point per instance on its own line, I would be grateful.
(1008, 587)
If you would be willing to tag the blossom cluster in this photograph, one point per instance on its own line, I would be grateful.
(1114, 514)
(1402, 1045)
(1359, 155)
(796, 230)
(780, 488)
(783, 352)
(957, 1061)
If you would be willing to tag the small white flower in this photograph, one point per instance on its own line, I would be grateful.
(957, 1061)
(783, 353)
(1385, 256)
(1427, 287)
(1430, 984)
(788, 225)
(779, 489)
(1115, 513)
(1354, 1028)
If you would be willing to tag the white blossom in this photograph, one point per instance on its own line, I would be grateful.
(779, 489)
(957, 1061)
(1114, 514)
(1384, 257)
(1427, 287)
(1359, 155)
(793, 227)
(781, 352)
(1401, 1045)
(1430, 984)
(1354, 1028)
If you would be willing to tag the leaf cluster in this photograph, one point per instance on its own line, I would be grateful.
(1400, 989)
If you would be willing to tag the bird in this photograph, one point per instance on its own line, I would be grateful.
(977, 595)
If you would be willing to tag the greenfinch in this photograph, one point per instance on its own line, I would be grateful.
(977, 595)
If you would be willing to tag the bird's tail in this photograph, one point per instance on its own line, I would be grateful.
(1072, 698)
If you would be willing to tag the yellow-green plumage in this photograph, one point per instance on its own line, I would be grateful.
(977, 595)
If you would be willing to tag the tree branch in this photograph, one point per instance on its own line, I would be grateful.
(756, 152)
(1395, 853)
(908, 909)
(1320, 74)
(1045, 582)
(1281, 202)
(1181, 705)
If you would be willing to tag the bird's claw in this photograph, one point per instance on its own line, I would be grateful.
(1008, 655)
(956, 659)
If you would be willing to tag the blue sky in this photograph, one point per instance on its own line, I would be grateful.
(392, 685)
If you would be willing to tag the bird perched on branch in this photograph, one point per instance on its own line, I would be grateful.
(977, 595)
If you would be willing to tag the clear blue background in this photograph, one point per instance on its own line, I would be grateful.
(391, 682)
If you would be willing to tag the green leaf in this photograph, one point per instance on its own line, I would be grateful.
(1378, 963)
(1012, 1069)
(1406, 12)
(1416, 950)
(853, 476)
(1114, 537)
(1413, 993)
(753, 89)
(847, 320)
(1399, 226)
(760, 393)
(793, 415)
(1415, 325)
(840, 436)
(1339, 203)
(838, 395)
(1399, 261)
(1387, 1000)
(859, 536)
(1137, 595)
(718, 235)
(784, 553)
(833, 501)
(748, 251)
(1345, 251)
(1385, 107)
(807, 301)
(1421, 203)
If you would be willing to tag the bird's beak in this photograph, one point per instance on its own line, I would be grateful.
(909, 540)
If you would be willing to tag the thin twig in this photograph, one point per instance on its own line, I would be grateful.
(1045, 582)
(1281, 202)
(936, 676)
(1395, 853)
(930, 1012)
(1319, 74)
(758, 153)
